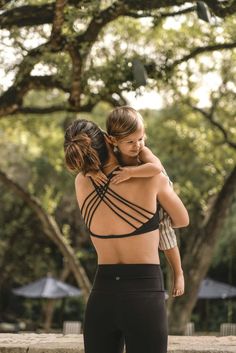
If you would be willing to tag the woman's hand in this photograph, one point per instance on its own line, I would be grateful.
(98, 177)
(121, 175)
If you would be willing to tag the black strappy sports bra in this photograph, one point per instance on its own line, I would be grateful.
(105, 194)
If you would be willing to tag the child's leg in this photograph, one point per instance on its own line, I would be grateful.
(173, 257)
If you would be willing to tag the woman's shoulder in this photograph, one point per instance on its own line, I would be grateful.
(80, 179)
(82, 186)
(161, 177)
(160, 181)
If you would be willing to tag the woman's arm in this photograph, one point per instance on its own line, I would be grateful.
(151, 165)
(171, 202)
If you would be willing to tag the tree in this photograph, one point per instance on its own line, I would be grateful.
(203, 185)
(84, 66)
(75, 26)
(52, 230)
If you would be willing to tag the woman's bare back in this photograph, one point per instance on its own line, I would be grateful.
(141, 248)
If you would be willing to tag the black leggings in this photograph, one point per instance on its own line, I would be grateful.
(126, 306)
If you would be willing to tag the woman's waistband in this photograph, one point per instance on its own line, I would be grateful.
(129, 270)
(128, 277)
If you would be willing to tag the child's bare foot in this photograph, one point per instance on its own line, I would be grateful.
(178, 288)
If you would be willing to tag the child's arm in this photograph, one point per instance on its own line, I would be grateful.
(151, 165)
(147, 157)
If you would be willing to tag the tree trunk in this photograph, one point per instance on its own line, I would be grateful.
(198, 256)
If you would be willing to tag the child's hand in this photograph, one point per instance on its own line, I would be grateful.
(121, 175)
(98, 177)
(178, 285)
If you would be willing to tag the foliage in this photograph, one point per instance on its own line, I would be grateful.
(190, 64)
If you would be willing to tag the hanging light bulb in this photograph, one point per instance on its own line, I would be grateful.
(203, 12)
(139, 73)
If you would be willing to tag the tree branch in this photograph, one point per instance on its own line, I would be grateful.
(160, 15)
(220, 8)
(11, 101)
(200, 50)
(31, 15)
(37, 15)
(75, 93)
(154, 4)
(56, 108)
(168, 67)
(86, 108)
(27, 16)
(210, 117)
(3, 3)
(100, 20)
(56, 36)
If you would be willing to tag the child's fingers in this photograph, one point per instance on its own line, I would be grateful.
(119, 180)
(102, 177)
(117, 172)
(115, 180)
(96, 182)
(102, 181)
(99, 181)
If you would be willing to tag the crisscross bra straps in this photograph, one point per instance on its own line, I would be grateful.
(105, 194)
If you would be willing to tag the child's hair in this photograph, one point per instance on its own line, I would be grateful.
(123, 121)
(85, 147)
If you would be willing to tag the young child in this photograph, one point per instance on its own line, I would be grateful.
(126, 133)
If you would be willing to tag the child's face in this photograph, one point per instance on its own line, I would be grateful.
(132, 144)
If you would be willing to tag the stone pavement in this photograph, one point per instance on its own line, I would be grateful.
(57, 343)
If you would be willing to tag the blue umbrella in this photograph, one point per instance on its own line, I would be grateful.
(47, 287)
(211, 289)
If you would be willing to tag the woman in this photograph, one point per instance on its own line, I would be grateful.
(127, 303)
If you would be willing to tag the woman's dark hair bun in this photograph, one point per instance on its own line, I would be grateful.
(84, 146)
